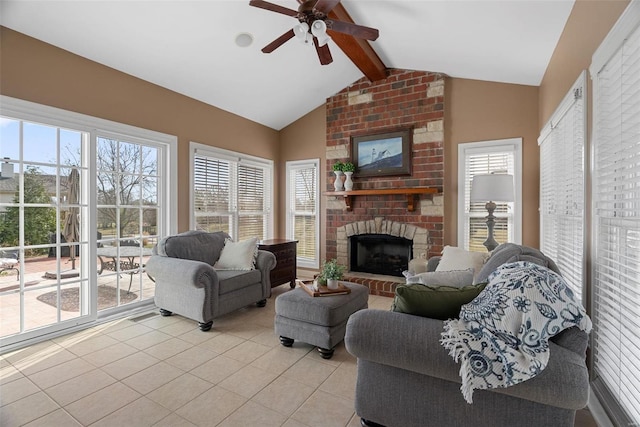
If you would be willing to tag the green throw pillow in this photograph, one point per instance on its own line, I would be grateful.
(436, 302)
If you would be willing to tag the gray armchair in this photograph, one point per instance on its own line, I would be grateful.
(188, 285)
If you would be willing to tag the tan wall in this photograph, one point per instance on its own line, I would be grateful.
(41, 73)
(302, 140)
(590, 21)
(480, 111)
(477, 110)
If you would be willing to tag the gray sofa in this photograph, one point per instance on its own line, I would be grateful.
(407, 378)
(188, 285)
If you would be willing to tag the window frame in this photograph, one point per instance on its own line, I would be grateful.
(28, 111)
(486, 147)
(199, 149)
(613, 395)
(571, 262)
(292, 166)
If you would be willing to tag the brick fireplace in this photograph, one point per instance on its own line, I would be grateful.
(379, 285)
(406, 99)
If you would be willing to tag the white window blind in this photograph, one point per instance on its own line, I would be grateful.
(232, 193)
(303, 222)
(562, 166)
(484, 158)
(212, 194)
(253, 195)
(615, 71)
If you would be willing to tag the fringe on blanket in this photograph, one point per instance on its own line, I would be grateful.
(451, 340)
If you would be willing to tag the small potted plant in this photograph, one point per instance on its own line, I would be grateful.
(348, 168)
(337, 169)
(331, 273)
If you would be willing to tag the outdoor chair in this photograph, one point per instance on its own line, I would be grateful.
(10, 260)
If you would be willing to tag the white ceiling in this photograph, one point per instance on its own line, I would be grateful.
(188, 46)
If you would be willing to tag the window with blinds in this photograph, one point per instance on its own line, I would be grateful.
(487, 157)
(303, 221)
(562, 177)
(231, 192)
(615, 71)
(212, 194)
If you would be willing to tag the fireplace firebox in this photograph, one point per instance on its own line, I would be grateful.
(380, 254)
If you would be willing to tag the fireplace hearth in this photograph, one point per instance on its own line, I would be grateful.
(380, 254)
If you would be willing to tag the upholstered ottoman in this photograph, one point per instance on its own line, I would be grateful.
(319, 321)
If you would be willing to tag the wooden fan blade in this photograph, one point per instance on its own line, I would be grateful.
(273, 7)
(278, 42)
(324, 54)
(325, 6)
(355, 30)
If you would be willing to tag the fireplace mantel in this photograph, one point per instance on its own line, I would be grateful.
(411, 194)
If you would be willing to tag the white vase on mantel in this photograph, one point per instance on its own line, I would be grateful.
(348, 183)
(337, 184)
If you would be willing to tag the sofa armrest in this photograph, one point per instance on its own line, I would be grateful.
(265, 262)
(181, 272)
(413, 343)
(400, 340)
(433, 262)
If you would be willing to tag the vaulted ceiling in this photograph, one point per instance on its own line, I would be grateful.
(189, 46)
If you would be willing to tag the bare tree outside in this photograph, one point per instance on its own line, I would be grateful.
(126, 181)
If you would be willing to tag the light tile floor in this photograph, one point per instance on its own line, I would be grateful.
(163, 371)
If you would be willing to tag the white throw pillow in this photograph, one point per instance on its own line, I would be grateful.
(454, 258)
(454, 278)
(238, 255)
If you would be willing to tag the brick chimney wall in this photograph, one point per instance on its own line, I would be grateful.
(406, 99)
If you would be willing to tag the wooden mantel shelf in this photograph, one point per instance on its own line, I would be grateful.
(411, 194)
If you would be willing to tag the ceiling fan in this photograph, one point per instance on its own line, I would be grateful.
(313, 25)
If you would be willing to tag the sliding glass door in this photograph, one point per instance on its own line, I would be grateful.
(82, 203)
(43, 227)
(128, 208)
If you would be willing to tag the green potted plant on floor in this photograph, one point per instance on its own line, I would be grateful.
(331, 273)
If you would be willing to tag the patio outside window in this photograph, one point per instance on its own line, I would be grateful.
(80, 210)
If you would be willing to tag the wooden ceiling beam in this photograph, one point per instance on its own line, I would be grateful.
(358, 50)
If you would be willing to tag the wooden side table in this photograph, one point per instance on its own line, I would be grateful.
(286, 253)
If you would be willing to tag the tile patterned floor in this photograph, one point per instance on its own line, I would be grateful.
(163, 371)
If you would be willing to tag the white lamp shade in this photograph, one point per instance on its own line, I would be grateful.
(301, 31)
(492, 187)
(319, 30)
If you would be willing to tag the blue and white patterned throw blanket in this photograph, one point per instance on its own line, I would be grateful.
(501, 338)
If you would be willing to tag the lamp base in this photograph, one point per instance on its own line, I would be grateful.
(490, 243)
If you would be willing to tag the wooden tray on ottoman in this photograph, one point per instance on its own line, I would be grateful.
(322, 291)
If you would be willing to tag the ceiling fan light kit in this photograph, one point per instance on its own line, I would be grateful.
(302, 33)
(314, 22)
(319, 31)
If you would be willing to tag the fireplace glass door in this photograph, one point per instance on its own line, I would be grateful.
(380, 254)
